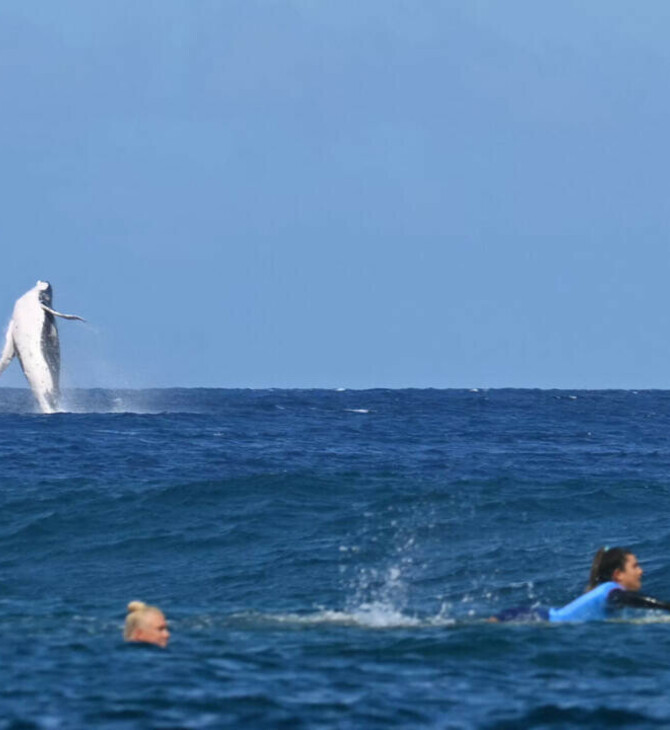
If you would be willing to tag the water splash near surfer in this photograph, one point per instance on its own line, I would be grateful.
(32, 336)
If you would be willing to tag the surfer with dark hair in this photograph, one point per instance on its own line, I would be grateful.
(614, 581)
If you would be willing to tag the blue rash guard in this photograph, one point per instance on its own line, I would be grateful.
(600, 603)
(592, 606)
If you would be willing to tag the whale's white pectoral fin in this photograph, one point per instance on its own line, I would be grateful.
(60, 314)
(8, 351)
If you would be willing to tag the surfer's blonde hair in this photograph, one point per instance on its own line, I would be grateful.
(137, 610)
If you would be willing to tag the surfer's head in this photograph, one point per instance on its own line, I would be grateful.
(617, 564)
(44, 292)
(146, 624)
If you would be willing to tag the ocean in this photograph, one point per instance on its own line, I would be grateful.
(328, 559)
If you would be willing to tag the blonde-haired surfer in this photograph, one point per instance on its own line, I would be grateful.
(146, 624)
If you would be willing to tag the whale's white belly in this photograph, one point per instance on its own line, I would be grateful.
(36, 346)
(32, 336)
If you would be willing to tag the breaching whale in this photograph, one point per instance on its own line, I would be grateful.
(32, 336)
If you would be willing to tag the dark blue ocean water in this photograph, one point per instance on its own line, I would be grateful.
(327, 559)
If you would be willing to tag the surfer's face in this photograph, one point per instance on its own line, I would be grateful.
(153, 629)
(630, 577)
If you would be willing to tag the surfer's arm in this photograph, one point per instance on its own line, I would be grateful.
(60, 314)
(630, 599)
(8, 350)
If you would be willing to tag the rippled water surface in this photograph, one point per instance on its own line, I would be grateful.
(327, 559)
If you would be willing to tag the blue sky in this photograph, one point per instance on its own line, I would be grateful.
(304, 193)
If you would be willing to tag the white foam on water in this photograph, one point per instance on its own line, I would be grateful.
(646, 618)
(367, 616)
(78, 401)
(378, 598)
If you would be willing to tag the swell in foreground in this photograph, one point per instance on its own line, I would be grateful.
(327, 558)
